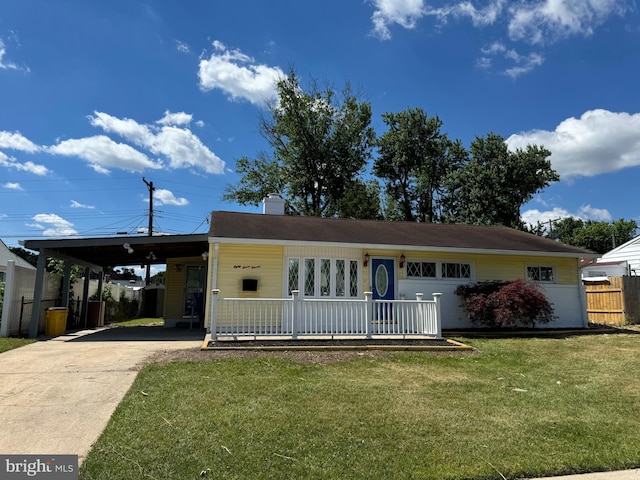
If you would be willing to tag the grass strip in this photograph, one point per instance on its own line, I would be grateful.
(11, 343)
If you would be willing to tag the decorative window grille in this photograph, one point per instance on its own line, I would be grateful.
(294, 275)
(456, 270)
(340, 280)
(540, 273)
(421, 269)
(324, 277)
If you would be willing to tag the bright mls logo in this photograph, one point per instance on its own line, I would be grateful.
(54, 467)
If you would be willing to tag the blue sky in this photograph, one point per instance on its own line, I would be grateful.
(96, 95)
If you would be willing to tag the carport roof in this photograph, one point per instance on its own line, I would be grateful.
(110, 251)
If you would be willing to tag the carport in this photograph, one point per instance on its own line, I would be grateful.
(94, 254)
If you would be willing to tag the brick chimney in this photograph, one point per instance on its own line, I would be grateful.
(273, 204)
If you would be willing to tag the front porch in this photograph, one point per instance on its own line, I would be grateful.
(312, 318)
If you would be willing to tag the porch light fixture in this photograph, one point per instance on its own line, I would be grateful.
(366, 259)
(178, 267)
(204, 256)
(151, 256)
(402, 259)
(128, 248)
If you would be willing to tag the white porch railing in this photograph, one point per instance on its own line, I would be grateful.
(329, 318)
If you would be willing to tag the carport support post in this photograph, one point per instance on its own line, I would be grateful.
(37, 295)
(66, 284)
(85, 298)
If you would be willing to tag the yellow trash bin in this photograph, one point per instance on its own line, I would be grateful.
(56, 321)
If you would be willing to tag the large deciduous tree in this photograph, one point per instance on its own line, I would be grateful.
(414, 158)
(599, 237)
(321, 143)
(493, 185)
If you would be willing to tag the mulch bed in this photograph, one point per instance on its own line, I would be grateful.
(318, 352)
(330, 344)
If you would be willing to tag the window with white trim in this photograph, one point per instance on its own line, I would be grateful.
(541, 273)
(456, 270)
(421, 269)
(324, 277)
(438, 269)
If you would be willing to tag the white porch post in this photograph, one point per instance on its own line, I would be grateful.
(368, 296)
(436, 298)
(294, 315)
(214, 313)
(424, 313)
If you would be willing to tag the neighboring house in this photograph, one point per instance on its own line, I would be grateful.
(594, 270)
(621, 261)
(272, 256)
(5, 256)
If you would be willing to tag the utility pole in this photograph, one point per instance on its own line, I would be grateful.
(551, 222)
(150, 229)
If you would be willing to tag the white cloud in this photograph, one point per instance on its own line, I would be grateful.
(238, 76)
(480, 17)
(182, 46)
(585, 212)
(10, 162)
(497, 52)
(13, 186)
(180, 145)
(176, 119)
(102, 153)
(75, 204)
(598, 142)
(16, 141)
(550, 20)
(533, 22)
(58, 226)
(7, 64)
(166, 197)
(125, 127)
(523, 64)
(403, 12)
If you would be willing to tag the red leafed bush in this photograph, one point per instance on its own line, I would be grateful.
(505, 304)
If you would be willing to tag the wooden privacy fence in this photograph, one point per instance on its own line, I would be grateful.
(615, 301)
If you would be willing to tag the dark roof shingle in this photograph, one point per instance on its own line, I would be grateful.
(234, 225)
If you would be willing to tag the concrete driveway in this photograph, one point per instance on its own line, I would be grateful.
(57, 395)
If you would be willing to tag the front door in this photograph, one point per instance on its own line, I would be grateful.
(193, 306)
(383, 279)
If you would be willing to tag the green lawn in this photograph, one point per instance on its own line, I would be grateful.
(136, 322)
(11, 343)
(516, 408)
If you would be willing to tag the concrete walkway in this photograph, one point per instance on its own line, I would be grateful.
(620, 475)
(57, 395)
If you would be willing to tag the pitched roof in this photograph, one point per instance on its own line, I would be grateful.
(234, 227)
(6, 255)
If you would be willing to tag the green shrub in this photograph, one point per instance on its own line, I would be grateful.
(501, 304)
